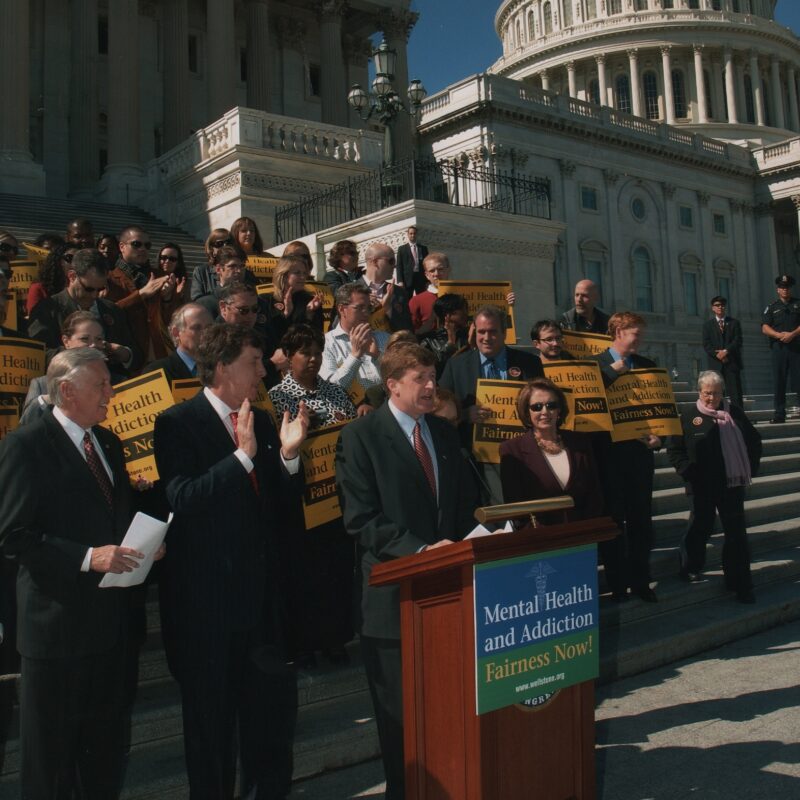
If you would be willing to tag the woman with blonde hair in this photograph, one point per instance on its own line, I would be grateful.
(290, 303)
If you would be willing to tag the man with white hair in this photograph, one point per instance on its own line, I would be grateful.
(185, 329)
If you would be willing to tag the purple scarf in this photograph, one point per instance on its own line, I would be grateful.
(734, 452)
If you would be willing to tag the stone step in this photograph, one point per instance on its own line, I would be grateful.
(667, 478)
(775, 442)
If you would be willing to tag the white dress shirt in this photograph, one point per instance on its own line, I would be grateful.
(340, 366)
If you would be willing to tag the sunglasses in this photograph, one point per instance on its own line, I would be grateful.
(137, 245)
(171, 259)
(5, 247)
(90, 289)
(222, 242)
(550, 405)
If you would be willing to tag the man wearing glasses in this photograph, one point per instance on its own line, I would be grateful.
(722, 341)
(385, 296)
(87, 277)
(547, 339)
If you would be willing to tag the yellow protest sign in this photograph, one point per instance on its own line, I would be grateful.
(584, 381)
(264, 402)
(24, 274)
(500, 397)
(264, 288)
(320, 500)
(21, 360)
(11, 319)
(185, 389)
(378, 320)
(328, 301)
(356, 392)
(641, 402)
(484, 293)
(132, 416)
(582, 344)
(262, 267)
(35, 252)
(9, 418)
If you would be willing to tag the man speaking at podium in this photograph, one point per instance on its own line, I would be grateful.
(404, 488)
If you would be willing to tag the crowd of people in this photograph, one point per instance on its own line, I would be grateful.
(247, 592)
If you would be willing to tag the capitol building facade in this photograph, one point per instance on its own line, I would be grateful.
(666, 135)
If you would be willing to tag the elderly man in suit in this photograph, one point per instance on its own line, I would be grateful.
(626, 469)
(410, 256)
(186, 330)
(722, 341)
(71, 633)
(381, 456)
(87, 277)
(227, 475)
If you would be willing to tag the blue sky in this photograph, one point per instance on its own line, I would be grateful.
(456, 38)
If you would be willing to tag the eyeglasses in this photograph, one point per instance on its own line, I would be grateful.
(5, 247)
(171, 259)
(68, 257)
(550, 405)
(137, 245)
(90, 289)
(552, 340)
(245, 310)
(360, 309)
(222, 243)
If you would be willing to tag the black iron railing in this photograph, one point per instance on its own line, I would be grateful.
(438, 182)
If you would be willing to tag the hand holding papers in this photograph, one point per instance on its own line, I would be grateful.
(146, 535)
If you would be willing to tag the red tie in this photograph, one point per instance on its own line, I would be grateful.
(424, 456)
(721, 325)
(97, 468)
(252, 473)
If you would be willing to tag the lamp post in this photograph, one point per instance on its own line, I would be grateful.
(384, 102)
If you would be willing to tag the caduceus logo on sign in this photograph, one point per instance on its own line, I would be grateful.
(539, 572)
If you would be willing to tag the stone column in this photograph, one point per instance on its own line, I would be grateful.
(258, 55)
(177, 98)
(573, 92)
(396, 26)
(545, 80)
(84, 148)
(601, 79)
(730, 86)
(791, 79)
(332, 74)
(636, 92)
(222, 57)
(796, 200)
(700, 84)
(669, 99)
(779, 120)
(755, 82)
(123, 170)
(717, 88)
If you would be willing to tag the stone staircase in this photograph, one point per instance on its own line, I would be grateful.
(28, 217)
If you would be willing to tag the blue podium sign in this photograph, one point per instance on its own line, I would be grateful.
(536, 625)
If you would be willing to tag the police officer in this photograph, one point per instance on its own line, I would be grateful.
(780, 322)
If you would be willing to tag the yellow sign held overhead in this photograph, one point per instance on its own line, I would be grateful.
(21, 360)
(262, 267)
(484, 293)
(584, 382)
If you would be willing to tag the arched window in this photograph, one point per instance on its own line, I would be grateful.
(518, 29)
(623, 94)
(749, 105)
(642, 279)
(694, 4)
(640, 5)
(716, 5)
(737, 7)
(548, 18)
(566, 16)
(678, 94)
(650, 83)
(614, 6)
(707, 87)
(667, 4)
(531, 26)
(591, 9)
(594, 92)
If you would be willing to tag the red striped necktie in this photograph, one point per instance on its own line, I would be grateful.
(424, 456)
(97, 468)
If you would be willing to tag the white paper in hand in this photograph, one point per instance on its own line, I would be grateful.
(145, 534)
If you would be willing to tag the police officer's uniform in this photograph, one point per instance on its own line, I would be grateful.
(783, 318)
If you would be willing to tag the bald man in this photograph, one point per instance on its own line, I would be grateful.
(585, 316)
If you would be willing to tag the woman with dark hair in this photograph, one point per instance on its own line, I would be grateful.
(52, 275)
(549, 462)
(108, 245)
(170, 259)
(246, 237)
(318, 583)
(204, 278)
(342, 264)
(290, 303)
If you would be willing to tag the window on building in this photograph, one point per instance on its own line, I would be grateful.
(716, 5)
(638, 209)
(749, 105)
(694, 4)
(593, 270)
(518, 28)
(685, 217)
(719, 224)
(547, 13)
(724, 287)
(102, 35)
(591, 9)
(640, 5)
(589, 200)
(667, 4)
(314, 78)
(707, 89)
(566, 17)
(194, 62)
(650, 83)
(736, 7)
(614, 6)
(594, 92)
(531, 26)
(623, 94)
(678, 94)
(690, 293)
(642, 279)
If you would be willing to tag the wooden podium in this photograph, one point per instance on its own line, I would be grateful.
(451, 752)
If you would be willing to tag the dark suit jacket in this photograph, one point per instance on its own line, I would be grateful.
(401, 316)
(61, 611)
(388, 506)
(49, 315)
(461, 375)
(173, 365)
(610, 375)
(405, 263)
(697, 455)
(218, 574)
(572, 322)
(526, 475)
(730, 339)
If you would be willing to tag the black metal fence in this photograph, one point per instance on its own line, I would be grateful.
(438, 182)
